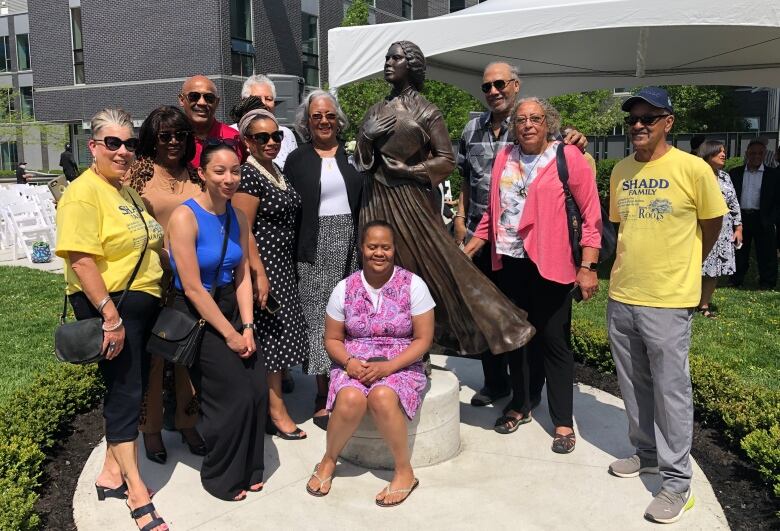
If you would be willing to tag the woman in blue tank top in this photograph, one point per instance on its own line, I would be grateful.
(228, 375)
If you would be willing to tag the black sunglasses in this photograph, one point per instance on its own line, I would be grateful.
(230, 142)
(647, 119)
(498, 83)
(167, 136)
(194, 97)
(113, 143)
(263, 137)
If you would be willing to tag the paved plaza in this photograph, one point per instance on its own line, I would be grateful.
(495, 481)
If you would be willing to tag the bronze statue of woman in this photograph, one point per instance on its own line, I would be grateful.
(404, 145)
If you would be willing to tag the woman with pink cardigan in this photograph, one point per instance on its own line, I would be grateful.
(527, 228)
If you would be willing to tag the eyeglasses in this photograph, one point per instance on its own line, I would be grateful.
(317, 117)
(194, 97)
(647, 119)
(500, 84)
(113, 143)
(263, 137)
(230, 142)
(166, 136)
(535, 119)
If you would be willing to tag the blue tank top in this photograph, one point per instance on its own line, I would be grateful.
(208, 246)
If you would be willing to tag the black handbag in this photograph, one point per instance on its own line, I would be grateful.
(176, 335)
(81, 342)
(574, 217)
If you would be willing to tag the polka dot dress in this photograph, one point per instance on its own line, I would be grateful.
(283, 336)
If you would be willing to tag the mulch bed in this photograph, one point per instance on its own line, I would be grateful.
(745, 498)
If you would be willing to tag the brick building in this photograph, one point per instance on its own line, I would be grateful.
(136, 55)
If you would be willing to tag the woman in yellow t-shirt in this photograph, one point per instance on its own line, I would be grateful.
(102, 230)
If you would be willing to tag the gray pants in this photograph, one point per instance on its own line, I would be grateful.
(650, 349)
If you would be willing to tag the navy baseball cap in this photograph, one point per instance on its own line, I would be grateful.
(655, 96)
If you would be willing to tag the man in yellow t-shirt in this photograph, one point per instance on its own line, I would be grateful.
(670, 210)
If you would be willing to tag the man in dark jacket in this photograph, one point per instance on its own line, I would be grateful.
(758, 190)
(68, 163)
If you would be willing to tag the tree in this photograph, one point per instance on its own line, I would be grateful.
(356, 15)
(699, 109)
(591, 113)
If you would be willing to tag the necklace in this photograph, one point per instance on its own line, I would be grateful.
(277, 180)
(172, 180)
(527, 174)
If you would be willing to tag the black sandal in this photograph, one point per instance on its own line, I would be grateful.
(119, 492)
(140, 512)
(508, 424)
(320, 401)
(271, 429)
(564, 444)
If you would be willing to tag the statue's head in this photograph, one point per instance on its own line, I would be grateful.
(415, 62)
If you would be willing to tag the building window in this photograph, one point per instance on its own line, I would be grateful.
(406, 9)
(26, 99)
(242, 52)
(5, 55)
(8, 102)
(310, 48)
(23, 51)
(457, 5)
(78, 46)
(8, 156)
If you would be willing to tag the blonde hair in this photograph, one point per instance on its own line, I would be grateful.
(109, 117)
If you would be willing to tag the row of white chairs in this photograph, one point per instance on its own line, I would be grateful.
(27, 214)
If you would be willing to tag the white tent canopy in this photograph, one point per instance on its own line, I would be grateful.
(564, 46)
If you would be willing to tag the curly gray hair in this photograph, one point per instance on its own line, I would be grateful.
(551, 116)
(302, 114)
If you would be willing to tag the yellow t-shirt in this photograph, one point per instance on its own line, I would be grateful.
(94, 217)
(658, 205)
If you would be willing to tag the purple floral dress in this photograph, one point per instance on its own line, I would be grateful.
(384, 332)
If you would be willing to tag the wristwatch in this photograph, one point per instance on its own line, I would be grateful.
(248, 326)
(590, 266)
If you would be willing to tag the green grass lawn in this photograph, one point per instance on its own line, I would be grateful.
(30, 303)
(745, 337)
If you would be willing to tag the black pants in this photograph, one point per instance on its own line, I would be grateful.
(494, 367)
(547, 356)
(126, 375)
(753, 229)
(233, 397)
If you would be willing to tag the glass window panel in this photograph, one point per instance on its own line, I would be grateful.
(241, 19)
(406, 8)
(5, 55)
(457, 5)
(75, 18)
(23, 51)
(28, 106)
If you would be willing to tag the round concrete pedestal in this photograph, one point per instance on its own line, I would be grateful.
(434, 434)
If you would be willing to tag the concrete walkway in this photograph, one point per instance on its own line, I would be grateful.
(496, 481)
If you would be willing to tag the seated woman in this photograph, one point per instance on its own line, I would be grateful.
(379, 324)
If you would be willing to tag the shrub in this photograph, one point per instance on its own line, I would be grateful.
(749, 415)
(30, 422)
(733, 162)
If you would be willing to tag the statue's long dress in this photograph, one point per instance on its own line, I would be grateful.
(472, 315)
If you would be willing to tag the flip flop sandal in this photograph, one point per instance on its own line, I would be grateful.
(318, 493)
(388, 492)
(509, 424)
(564, 444)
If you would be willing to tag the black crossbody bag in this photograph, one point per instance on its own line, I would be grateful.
(81, 342)
(574, 217)
(176, 335)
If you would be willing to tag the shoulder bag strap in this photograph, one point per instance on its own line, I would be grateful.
(563, 169)
(228, 211)
(140, 258)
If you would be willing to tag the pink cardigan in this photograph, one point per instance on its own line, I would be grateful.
(543, 226)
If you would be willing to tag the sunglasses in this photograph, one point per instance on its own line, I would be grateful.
(166, 136)
(113, 143)
(647, 119)
(500, 84)
(194, 97)
(534, 119)
(230, 142)
(317, 117)
(263, 137)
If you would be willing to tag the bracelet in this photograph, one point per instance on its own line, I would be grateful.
(102, 304)
(117, 326)
(347, 362)
(248, 326)
(459, 216)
